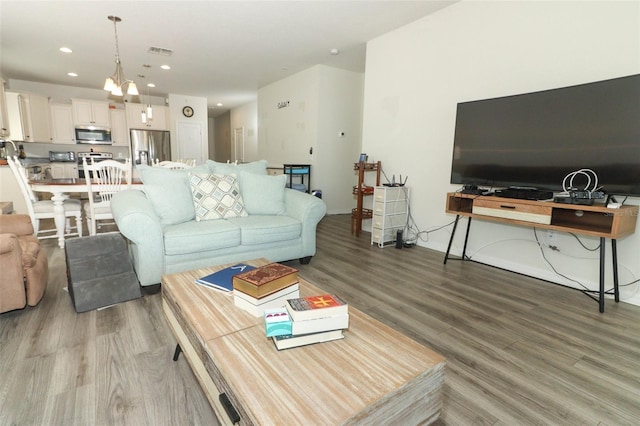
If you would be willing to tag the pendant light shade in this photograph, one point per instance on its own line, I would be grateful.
(116, 82)
(109, 84)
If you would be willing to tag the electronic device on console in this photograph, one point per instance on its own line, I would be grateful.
(524, 193)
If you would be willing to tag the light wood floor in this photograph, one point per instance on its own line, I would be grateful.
(519, 350)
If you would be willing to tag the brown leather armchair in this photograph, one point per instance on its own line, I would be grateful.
(23, 265)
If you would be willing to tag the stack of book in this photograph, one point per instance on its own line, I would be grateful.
(314, 319)
(265, 287)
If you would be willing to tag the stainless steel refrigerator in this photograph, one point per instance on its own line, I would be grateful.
(149, 145)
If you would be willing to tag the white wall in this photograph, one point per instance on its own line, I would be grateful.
(341, 96)
(286, 134)
(478, 49)
(320, 102)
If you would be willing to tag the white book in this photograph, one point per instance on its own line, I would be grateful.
(258, 310)
(291, 341)
(335, 322)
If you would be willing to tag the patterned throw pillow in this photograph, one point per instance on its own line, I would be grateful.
(216, 196)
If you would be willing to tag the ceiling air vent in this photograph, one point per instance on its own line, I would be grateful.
(160, 51)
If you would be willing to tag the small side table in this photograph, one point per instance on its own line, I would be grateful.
(298, 171)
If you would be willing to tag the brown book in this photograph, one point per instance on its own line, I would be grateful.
(265, 280)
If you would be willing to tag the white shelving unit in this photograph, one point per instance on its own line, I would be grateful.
(390, 211)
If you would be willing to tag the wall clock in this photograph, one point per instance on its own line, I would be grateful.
(187, 111)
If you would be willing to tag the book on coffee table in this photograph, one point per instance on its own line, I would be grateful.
(290, 341)
(325, 305)
(265, 280)
(223, 279)
(256, 307)
(317, 325)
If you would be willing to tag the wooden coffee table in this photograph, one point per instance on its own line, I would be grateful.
(374, 375)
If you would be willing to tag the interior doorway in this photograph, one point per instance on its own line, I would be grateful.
(190, 144)
(237, 148)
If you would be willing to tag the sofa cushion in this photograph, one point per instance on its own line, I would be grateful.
(174, 208)
(195, 237)
(216, 196)
(169, 192)
(257, 167)
(266, 229)
(263, 194)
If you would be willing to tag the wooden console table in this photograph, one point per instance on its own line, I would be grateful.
(596, 221)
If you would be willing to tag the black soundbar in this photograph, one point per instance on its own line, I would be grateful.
(524, 193)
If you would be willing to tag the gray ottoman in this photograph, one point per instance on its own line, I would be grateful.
(100, 272)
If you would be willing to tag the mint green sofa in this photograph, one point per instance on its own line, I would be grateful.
(160, 221)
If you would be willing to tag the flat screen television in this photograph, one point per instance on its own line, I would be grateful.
(536, 139)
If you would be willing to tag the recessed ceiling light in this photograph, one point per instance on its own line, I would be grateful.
(218, 104)
(165, 67)
(72, 74)
(65, 50)
(151, 85)
(334, 51)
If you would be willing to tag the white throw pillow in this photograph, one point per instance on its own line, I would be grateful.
(216, 196)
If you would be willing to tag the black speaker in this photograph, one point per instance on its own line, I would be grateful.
(399, 239)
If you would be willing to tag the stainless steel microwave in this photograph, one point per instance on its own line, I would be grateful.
(62, 156)
(93, 135)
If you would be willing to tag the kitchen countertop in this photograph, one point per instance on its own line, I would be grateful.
(39, 161)
(32, 161)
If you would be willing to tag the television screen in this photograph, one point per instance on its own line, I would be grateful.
(536, 139)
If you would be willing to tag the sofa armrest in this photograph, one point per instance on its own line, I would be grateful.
(309, 210)
(18, 224)
(11, 278)
(138, 222)
(9, 243)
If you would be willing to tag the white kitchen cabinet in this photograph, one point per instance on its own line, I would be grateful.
(390, 212)
(64, 170)
(28, 117)
(4, 118)
(90, 113)
(160, 120)
(62, 124)
(119, 131)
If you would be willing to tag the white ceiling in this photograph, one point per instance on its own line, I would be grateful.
(222, 50)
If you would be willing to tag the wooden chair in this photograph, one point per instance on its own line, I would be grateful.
(43, 209)
(104, 179)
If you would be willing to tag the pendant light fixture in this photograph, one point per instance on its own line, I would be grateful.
(149, 109)
(116, 82)
(146, 114)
